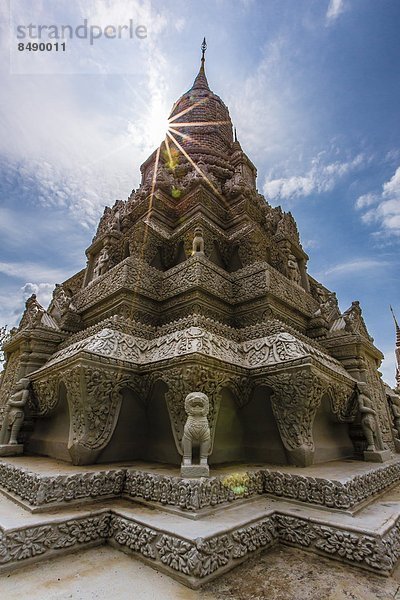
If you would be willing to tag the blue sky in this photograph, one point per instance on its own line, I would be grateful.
(312, 87)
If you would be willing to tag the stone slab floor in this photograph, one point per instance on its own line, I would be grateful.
(283, 573)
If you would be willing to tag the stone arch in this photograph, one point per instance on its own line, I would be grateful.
(180, 255)
(160, 443)
(128, 439)
(331, 436)
(263, 442)
(215, 255)
(50, 436)
(246, 430)
(228, 435)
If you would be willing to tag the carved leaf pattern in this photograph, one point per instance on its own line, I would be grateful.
(176, 554)
(134, 536)
(46, 395)
(357, 548)
(294, 530)
(294, 403)
(249, 539)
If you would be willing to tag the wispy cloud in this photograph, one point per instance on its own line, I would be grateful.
(36, 137)
(356, 266)
(12, 304)
(335, 8)
(383, 208)
(318, 179)
(31, 271)
(267, 111)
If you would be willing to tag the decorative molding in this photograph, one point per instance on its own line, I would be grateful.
(198, 560)
(367, 551)
(44, 490)
(193, 495)
(275, 349)
(30, 542)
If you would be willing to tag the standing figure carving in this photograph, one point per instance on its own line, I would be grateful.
(376, 450)
(395, 407)
(293, 269)
(196, 433)
(102, 263)
(14, 413)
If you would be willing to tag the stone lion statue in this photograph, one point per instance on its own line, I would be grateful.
(196, 433)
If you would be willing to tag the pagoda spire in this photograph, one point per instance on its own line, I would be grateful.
(397, 349)
(201, 80)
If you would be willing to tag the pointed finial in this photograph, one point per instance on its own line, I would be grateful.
(394, 316)
(203, 50)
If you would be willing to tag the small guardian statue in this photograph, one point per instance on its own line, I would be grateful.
(376, 450)
(196, 434)
(198, 242)
(13, 419)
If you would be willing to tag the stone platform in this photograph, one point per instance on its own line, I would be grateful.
(358, 528)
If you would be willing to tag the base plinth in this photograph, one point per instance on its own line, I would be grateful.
(191, 471)
(11, 449)
(377, 455)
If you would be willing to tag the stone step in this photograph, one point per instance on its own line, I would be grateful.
(195, 551)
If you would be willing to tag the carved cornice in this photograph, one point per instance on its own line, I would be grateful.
(276, 349)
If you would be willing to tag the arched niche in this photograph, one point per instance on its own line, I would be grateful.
(235, 262)
(156, 261)
(216, 257)
(228, 439)
(180, 255)
(51, 433)
(129, 437)
(247, 434)
(262, 439)
(160, 444)
(331, 438)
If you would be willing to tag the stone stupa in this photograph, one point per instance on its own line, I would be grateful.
(196, 338)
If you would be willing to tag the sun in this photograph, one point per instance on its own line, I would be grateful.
(157, 123)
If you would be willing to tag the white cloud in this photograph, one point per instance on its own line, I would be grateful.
(12, 304)
(318, 179)
(335, 8)
(268, 110)
(43, 291)
(180, 24)
(383, 209)
(388, 367)
(366, 200)
(32, 271)
(56, 139)
(356, 266)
